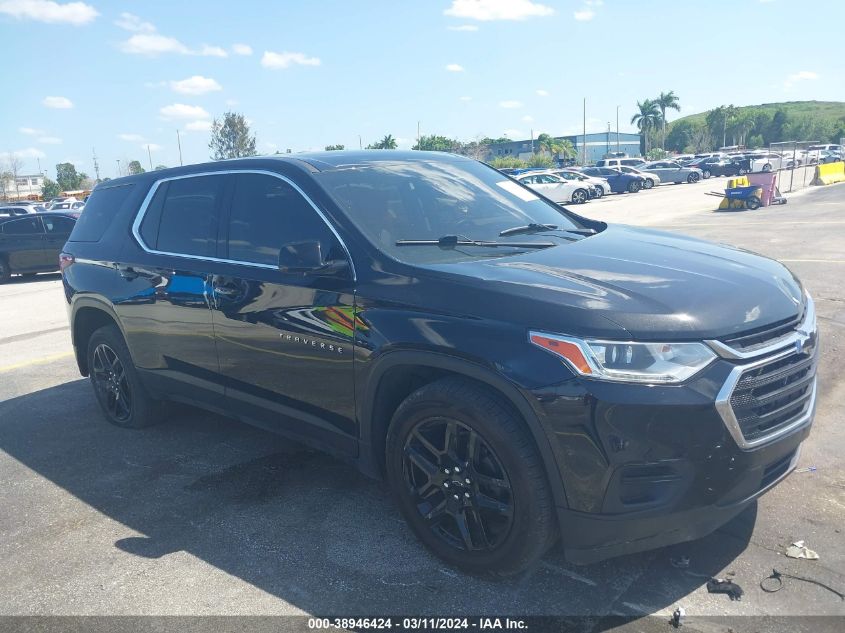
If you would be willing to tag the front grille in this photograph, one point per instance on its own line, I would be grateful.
(769, 397)
(755, 339)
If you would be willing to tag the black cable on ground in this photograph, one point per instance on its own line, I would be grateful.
(773, 583)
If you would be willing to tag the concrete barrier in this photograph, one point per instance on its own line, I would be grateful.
(829, 173)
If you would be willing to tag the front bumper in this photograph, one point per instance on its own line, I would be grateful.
(650, 466)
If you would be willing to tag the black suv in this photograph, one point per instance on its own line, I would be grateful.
(31, 243)
(516, 373)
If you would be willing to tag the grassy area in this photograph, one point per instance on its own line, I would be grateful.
(830, 110)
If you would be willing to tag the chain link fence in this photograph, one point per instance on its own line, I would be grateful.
(795, 162)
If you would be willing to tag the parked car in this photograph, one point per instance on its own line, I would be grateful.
(617, 162)
(769, 161)
(601, 185)
(650, 179)
(670, 171)
(719, 167)
(830, 147)
(619, 182)
(16, 209)
(555, 188)
(31, 243)
(829, 157)
(517, 374)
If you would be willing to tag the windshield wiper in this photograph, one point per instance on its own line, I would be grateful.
(528, 228)
(451, 241)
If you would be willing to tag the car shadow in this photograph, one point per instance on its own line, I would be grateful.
(298, 524)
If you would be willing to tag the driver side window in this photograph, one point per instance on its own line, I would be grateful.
(267, 213)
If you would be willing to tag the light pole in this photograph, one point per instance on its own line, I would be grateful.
(119, 174)
(617, 129)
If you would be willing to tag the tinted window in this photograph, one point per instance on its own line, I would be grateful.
(427, 199)
(103, 205)
(268, 212)
(24, 226)
(183, 216)
(57, 224)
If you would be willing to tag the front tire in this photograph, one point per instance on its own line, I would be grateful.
(634, 186)
(706, 174)
(767, 167)
(580, 196)
(693, 177)
(117, 386)
(468, 479)
(648, 184)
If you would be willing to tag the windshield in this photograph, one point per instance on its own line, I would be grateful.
(391, 201)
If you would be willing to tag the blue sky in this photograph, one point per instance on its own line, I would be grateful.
(118, 76)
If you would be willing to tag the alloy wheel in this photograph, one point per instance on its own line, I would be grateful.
(458, 485)
(579, 197)
(111, 382)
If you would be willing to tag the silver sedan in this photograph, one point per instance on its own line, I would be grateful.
(670, 171)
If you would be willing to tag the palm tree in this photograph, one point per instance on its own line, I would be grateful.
(646, 118)
(555, 147)
(388, 142)
(667, 101)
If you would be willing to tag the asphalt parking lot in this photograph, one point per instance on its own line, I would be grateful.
(203, 515)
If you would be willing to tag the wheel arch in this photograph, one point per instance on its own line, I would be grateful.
(398, 374)
(87, 316)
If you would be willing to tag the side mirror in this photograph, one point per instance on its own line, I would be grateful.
(307, 258)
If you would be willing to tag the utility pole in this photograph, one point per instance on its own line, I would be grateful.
(150, 156)
(584, 160)
(418, 135)
(96, 164)
(608, 137)
(179, 143)
(39, 166)
(360, 144)
(617, 129)
(119, 174)
(532, 140)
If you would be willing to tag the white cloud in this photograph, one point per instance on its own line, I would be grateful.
(195, 85)
(198, 126)
(241, 49)
(487, 10)
(463, 27)
(61, 103)
(528, 118)
(286, 60)
(183, 111)
(510, 104)
(231, 102)
(152, 147)
(30, 131)
(130, 137)
(212, 51)
(584, 15)
(29, 152)
(76, 13)
(131, 22)
(543, 93)
(153, 44)
(454, 68)
(803, 75)
(465, 98)
(50, 140)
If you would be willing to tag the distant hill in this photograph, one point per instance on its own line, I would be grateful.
(758, 125)
(830, 110)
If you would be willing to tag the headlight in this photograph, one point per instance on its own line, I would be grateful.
(627, 361)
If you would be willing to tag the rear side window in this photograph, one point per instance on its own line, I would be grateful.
(183, 215)
(268, 212)
(58, 225)
(103, 205)
(25, 226)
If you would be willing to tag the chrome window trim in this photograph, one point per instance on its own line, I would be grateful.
(139, 218)
(723, 404)
(804, 329)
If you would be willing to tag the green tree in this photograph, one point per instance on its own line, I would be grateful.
(67, 177)
(335, 148)
(388, 142)
(508, 162)
(160, 167)
(667, 101)
(646, 119)
(541, 160)
(50, 189)
(231, 138)
(656, 153)
(434, 143)
(555, 147)
(134, 167)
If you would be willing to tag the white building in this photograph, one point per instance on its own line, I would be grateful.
(23, 187)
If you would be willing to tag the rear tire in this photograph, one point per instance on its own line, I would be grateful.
(634, 186)
(475, 493)
(116, 383)
(706, 174)
(767, 167)
(648, 184)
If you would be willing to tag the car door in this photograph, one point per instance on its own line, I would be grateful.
(163, 299)
(56, 231)
(23, 244)
(285, 338)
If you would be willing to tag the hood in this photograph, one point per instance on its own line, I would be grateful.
(652, 284)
